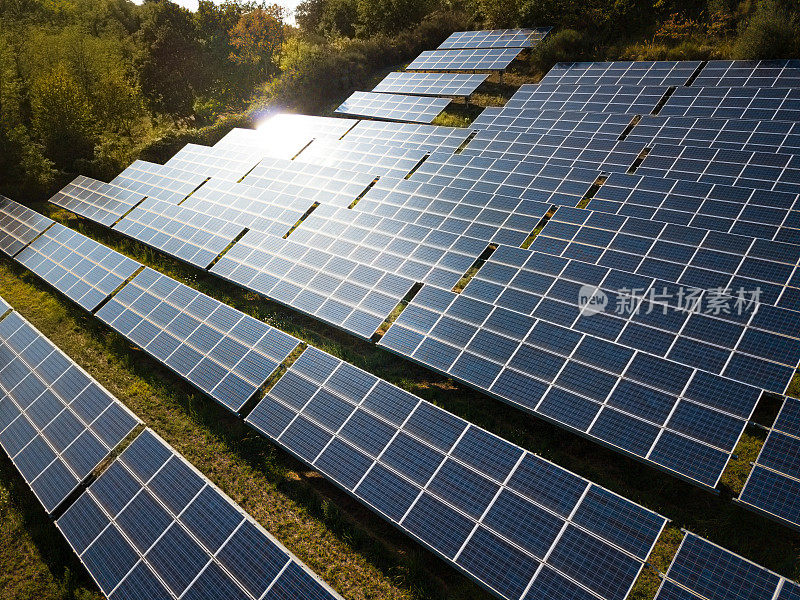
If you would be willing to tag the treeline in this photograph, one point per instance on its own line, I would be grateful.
(86, 86)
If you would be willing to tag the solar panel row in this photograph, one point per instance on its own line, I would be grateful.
(478, 59)
(96, 200)
(430, 84)
(495, 38)
(621, 99)
(624, 72)
(606, 125)
(747, 73)
(150, 179)
(19, 225)
(395, 107)
(224, 353)
(409, 135)
(57, 424)
(380, 160)
(774, 482)
(760, 104)
(152, 526)
(220, 163)
(80, 268)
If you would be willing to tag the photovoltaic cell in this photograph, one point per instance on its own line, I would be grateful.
(96, 200)
(80, 268)
(152, 526)
(381, 160)
(774, 482)
(393, 107)
(495, 38)
(479, 59)
(223, 352)
(158, 181)
(540, 122)
(701, 569)
(746, 73)
(4, 306)
(761, 104)
(463, 492)
(19, 225)
(430, 84)
(670, 73)
(220, 163)
(57, 424)
(619, 98)
(409, 135)
(189, 235)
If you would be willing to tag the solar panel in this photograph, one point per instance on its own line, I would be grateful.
(57, 424)
(625, 72)
(496, 38)
(270, 134)
(704, 570)
(19, 225)
(517, 333)
(758, 170)
(728, 134)
(96, 200)
(746, 211)
(80, 268)
(409, 135)
(221, 351)
(760, 104)
(481, 59)
(430, 84)
(621, 99)
(534, 121)
(461, 491)
(746, 73)
(393, 107)
(774, 482)
(166, 183)
(182, 232)
(220, 163)
(152, 526)
(4, 307)
(376, 159)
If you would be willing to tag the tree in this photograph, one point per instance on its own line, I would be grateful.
(257, 39)
(62, 117)
(170, 59)
(390, 16)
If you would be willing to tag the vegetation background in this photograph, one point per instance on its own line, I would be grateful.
(87, 86)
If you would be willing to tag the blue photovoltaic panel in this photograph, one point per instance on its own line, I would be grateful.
(430, 84)
(219, 163)
(152, 526)
(749, 73)
(393, 107)
(623, 99)
(96, 200)
(704, 570)
(479, 59)
(189, 235)
(283, 132)
(381, 160)
(774, 484)
(760, 104)
(495, 38)
(80, 268)
(668, 72)
(542, 122)
(4, 306)
(223, 352)
(158, 181)
(486, 506)
(57, 424)
(19, 225)
(409, 135)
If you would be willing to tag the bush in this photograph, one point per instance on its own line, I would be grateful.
(772, 32)
(565, 46)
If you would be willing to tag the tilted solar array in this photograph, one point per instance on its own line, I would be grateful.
(747, 73)
(394, 107)
(704, 571)
(517, 333)
(478, 59)
(760, 104)
(613, 98)
(273, 141)
(152, 526)
(96, 200)
(376, 159)
(670, 73)
(4, 306)
(409, 135)
(281, 125)
(591, 124)
(219, 163)
(80, 268)
(57, 424)
(430, 84)
(746, 211)
(730, 134)
(495, 38)
(19, 225)
(519, 525)
(184, 233)
(221, 351)
(774, 483)
(154, 180)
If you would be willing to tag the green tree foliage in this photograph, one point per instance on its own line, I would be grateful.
(772, 32)
(256, 40)
(62, 117)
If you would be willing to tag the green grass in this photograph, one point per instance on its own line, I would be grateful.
(346, 544)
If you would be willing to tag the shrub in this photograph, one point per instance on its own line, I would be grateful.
(772, 32)
(565, 46)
